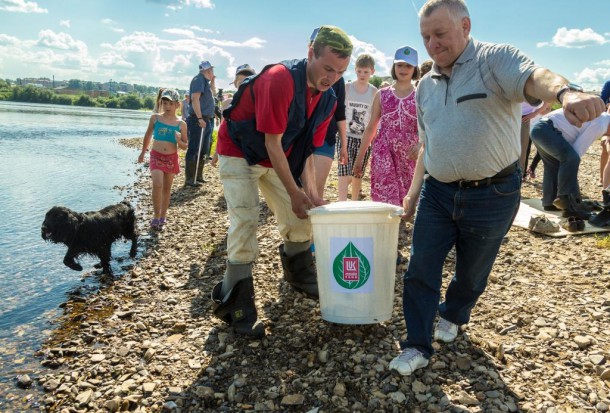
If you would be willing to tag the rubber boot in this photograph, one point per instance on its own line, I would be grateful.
(189, 174)
(571, 207)
(300, 271)
(237, 308)
(199, 167)
(606, 197)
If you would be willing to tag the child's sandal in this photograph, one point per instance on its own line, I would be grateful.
(155, 224)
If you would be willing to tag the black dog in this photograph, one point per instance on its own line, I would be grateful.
(91, 232)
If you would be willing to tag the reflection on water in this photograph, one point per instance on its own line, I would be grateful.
(52, 155)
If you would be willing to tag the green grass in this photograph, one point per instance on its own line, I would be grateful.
(602, 242)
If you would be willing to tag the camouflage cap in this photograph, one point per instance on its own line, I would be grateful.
(335, 38)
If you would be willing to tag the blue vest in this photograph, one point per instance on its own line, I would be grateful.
(299, 130)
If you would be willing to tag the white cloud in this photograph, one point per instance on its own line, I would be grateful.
(114, 60)
(64, 23)
(593, 78)
(180, 32)
(62, 41)
(198, 4)
(383, 63)
(55, 53)
(21, 6)
(199, 29)
(112, 25)
(575, 38)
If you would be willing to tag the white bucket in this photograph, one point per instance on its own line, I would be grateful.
(356, 247)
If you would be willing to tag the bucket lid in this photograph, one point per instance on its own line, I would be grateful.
(359, 207)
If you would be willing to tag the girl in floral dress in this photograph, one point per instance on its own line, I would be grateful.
(396, 146)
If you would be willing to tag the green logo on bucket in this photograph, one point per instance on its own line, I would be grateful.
(351, 268)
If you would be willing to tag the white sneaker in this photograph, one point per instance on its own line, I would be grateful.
(409, 360)
(445, 331)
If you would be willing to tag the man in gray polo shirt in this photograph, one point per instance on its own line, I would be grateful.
(200, 120)
(467, 180)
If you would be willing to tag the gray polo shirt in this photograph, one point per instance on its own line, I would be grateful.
(470, 122)
(200, 84)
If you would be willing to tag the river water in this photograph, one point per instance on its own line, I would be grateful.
(52, 155)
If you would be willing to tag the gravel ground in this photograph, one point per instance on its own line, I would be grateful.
(538, 340)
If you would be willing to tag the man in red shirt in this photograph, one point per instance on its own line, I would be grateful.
(266, 143)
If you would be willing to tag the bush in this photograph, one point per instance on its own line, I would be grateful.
(149, 103)
(62, 100)
(130, 102)
(112, 103)
(84, 100)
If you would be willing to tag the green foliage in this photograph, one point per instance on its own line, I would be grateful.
(376, 81)
(149, 103)
(130, 102)
(85, 100)
(62, 100)
(112, 103)
(602, 242)
(32, 94)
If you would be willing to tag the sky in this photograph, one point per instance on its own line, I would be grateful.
(161, 42)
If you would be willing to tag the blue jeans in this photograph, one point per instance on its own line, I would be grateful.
(475, 220)
(194, 133)
(561, 162)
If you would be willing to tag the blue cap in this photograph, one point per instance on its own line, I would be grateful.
(205, 65)
(406, 54)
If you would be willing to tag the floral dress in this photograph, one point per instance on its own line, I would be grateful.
(391, 170)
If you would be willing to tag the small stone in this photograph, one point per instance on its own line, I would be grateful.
(582, 341)
(169, 406)
(150, 353)
(605, 375)
(179, 327)
(323, 356)
(597, 359)
(85, 397)
(601, 407)
(418, 387)
(463, 363)
(398, 397)
(339, 389)
(293, 400)
(148, 388)
(96, 358)
(24, 381)
(113, 405)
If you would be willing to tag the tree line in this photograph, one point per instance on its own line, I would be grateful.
(34, 94)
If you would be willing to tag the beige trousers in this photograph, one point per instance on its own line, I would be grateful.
(241, 184)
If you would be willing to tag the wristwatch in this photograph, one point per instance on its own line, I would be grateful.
(565, 88)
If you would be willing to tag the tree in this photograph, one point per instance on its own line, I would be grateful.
(376, 81)
(75, 84)
(84, 100)
(130, 101)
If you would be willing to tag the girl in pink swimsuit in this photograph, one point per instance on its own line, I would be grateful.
(168, 133)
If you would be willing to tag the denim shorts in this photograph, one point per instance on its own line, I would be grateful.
(325, 150)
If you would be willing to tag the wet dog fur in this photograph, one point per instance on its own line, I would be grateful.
(91, 233)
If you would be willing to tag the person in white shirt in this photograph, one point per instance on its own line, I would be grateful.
(561, 146)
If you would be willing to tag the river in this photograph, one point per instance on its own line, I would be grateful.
(52, 155)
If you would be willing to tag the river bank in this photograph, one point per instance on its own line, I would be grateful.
(537, 342)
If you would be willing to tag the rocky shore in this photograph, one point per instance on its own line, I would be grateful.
(539, 339)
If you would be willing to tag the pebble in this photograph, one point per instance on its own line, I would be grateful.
(540, 328)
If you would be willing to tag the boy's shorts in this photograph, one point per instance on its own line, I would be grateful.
(325, 150)
(353, 146)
